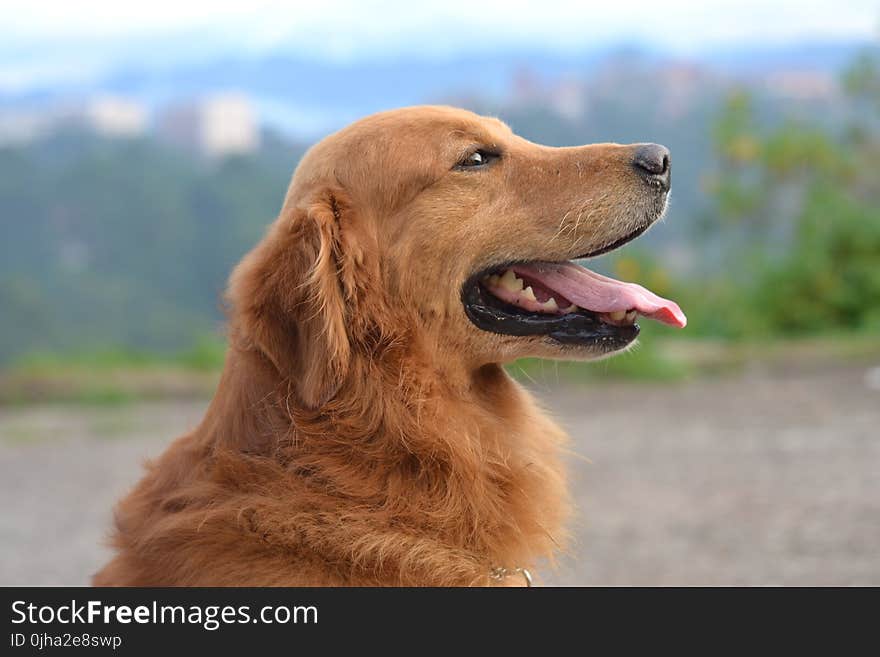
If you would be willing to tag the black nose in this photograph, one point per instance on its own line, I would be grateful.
(653, 163)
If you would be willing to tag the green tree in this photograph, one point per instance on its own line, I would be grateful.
(801, 206)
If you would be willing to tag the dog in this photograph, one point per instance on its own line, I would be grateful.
(364, 431)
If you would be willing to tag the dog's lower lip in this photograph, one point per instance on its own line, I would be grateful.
(582, 328)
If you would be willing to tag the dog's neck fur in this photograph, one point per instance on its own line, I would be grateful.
(374, 488)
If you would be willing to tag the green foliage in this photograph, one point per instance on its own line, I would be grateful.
(802, 217)
(207, 354)
(797, 149)
(112, 376)
(36, 362)
(830, 277)
(862, 79)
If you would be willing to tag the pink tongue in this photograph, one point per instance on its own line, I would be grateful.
(601, 294)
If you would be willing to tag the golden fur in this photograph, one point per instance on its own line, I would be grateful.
(364, 431)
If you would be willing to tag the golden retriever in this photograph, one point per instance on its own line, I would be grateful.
(364, 431)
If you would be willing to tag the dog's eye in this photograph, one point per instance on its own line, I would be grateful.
(478, 158)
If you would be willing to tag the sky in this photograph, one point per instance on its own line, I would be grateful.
(41, 39)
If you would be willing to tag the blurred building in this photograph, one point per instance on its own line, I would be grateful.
(21, 127)
(108, 116)
(569, 98)
(802, 85)
(113, 116)
(214, 126)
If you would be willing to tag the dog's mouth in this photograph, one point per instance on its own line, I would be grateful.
(565, 302)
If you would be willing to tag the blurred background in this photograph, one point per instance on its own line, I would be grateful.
(144, 149)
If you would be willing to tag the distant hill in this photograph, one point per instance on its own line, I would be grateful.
(124, 243)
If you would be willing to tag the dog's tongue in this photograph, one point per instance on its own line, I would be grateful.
(601, 294)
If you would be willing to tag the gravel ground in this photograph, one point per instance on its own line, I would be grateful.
(754, 480)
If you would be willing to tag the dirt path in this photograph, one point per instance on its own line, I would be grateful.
(755, 480)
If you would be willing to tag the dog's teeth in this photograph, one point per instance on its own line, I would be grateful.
(572, 308)
(511, 282)
(529, 294)
(494, 279)
(617, 315)
(551, 305)
(631, 316)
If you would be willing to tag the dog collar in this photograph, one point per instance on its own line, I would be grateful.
(500, 573)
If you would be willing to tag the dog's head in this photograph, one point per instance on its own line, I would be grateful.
(444, 227)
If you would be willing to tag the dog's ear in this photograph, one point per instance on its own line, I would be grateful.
(289, 298)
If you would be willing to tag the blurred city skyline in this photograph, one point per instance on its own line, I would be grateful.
(46, 45)
(305, 71)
